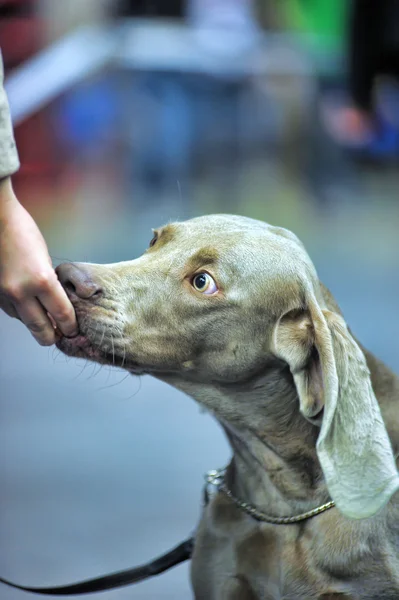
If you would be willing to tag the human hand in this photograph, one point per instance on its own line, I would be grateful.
(29, 288)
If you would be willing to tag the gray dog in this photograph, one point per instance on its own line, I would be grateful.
(230, 311)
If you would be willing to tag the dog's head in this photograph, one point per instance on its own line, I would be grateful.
(217, 301)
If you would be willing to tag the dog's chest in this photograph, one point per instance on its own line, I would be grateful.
(274, 561)
(292, 563)
(278, 565)
(326, 558)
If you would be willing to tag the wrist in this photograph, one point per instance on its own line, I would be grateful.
(8, 200)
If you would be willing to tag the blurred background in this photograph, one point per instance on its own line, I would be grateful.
(129, 114)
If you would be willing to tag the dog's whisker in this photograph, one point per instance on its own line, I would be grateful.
(96, 329)
(93, 373)
(81, 371)
(55, 353)
(113, 350)
(110, 370)
(102, 338)
(111, 385)
(124, 355)
(97, 371)
(83, 323)
(138, 389)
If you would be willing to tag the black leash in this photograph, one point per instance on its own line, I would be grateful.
(181, 553)
(174, 557)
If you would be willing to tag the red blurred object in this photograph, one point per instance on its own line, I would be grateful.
(20, 31)
(21, 37)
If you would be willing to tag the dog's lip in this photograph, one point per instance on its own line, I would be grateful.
(77, 340)
(78, 343)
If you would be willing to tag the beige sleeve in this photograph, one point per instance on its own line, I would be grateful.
(9, 161)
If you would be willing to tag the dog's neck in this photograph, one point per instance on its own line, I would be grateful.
(280, 483)
(275, 465)
(274, 462)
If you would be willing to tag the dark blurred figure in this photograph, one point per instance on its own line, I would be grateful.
(374, 49)
(367, 119)
(150, 8)
(158, 141)
(189, 115)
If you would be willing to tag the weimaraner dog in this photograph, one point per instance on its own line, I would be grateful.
(230, 311)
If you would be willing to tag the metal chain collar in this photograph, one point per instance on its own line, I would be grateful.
(216, 479)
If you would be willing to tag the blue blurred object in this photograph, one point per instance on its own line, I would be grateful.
(87, 113)
(384, 142)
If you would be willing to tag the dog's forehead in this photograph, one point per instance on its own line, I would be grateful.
(231, 235)
(220, 225)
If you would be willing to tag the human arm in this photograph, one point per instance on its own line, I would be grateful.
(29, 288)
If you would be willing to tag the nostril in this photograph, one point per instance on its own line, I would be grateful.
(97, 294)
(69, 286)
(77, 280)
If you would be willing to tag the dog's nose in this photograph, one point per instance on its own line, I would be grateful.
(77, 281)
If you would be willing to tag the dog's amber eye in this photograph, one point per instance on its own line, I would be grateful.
(204, 283)
(154, 239)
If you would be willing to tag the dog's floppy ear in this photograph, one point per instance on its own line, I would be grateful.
(330, 372)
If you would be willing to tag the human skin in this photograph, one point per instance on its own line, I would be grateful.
(29, 287)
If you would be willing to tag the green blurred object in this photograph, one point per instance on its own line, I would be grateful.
(323, 20)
